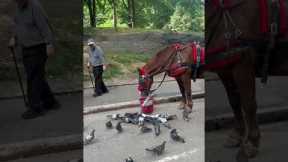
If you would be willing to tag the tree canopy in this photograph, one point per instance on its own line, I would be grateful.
(176, 15)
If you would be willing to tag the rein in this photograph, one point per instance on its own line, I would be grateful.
(160, 84)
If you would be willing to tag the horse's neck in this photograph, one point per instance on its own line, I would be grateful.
(244, 16)
(159, 65)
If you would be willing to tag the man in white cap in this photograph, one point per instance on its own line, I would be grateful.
(33, 34)
(97, 62)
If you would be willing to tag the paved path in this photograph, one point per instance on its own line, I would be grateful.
(113, 147)
(65, 121)
(273, 147)
(273, 95)
(57, 157)
(129, 92)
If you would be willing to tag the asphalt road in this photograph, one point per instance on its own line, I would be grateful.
(111, 146)
(69, 156)
(65, 121)
(273, 145)
(274, 94)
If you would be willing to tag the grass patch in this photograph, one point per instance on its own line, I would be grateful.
(123, 65)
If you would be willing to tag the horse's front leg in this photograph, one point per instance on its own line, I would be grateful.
(188, 95)
(182, 90)
(245, 79)
(234, 138)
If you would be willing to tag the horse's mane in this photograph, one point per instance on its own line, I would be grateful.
(159, 60)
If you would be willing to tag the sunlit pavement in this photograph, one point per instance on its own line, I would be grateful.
(112, 146)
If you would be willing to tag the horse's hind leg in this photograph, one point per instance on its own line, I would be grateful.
(182, 90)
(233, 95)
(244, 75)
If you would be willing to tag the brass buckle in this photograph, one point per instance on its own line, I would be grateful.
(274, 28)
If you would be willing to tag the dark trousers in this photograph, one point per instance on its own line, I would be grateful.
(99, 83)
(38, 90)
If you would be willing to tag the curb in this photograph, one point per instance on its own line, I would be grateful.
(135, 103)
(264, 117)
(55, 93)
(40, 146)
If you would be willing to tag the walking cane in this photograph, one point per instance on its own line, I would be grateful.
(19, 76)
(91, 79)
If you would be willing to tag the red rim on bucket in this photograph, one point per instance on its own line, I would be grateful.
(147, 105)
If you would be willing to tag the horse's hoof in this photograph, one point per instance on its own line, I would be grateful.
(250, 150)
(241, 156)
(186, 114)
(232, 142)
(188, 110)
(181, 106)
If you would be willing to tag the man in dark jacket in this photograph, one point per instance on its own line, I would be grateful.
(33, 34)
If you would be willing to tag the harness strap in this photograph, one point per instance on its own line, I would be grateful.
(198, 55)
(274, 31)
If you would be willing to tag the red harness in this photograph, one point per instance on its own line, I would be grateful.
(264, 17)
(198, 54)
(264, 14)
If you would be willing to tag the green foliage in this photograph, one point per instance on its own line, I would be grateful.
(179, 15)
(182, 20)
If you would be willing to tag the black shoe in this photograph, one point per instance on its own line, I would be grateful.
(54, 106)
(31, 114)
(97, 95)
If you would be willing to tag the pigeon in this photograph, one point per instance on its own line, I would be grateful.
(145, 129)
(109, 125)
(172, 117)
(129, 159)
(90, 137)
(119, 127)
(157, 149)
(174, 135)
(114, 116)
(157, 128)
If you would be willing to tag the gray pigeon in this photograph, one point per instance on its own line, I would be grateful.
(129, 159)
(157, 128)
(157, 149)
(90, 137)
(145, 129)
(119, 127)
(109, 125)
(174, 135)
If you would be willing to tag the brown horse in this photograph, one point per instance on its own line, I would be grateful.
(175, 57)
(232, 24)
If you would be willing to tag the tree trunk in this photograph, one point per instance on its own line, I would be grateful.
(129, 9)
(91, 13)
(114, 4)
(133, 13)
(94, 13)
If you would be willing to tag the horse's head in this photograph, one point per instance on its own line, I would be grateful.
(144, 82)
